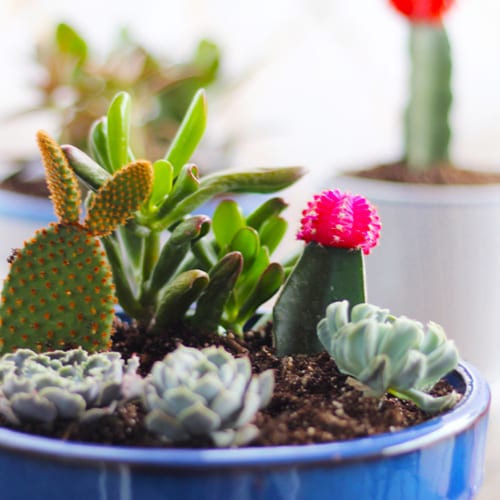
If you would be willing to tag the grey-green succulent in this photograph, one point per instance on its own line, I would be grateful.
(64, 385)
(205, 393)
(389, 354)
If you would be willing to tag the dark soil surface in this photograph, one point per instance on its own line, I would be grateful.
(312, 402)
(441, 174)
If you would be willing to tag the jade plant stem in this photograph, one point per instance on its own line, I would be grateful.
(427, 122)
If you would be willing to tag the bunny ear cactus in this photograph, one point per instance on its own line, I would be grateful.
(59, 291)
(389, 354)
(157, 283)
(337, 228)
(427, 131)
(205, 393)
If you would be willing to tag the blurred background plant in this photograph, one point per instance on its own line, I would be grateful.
(78, 83)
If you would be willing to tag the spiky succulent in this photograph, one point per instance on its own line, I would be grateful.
(64, 385)
(59, 291)
(160, 265)
(389, 354)
(208, 393)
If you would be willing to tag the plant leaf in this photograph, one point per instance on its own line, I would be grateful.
(189, 133)
(119, 130)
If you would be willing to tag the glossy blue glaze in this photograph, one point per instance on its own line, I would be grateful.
(440, 459)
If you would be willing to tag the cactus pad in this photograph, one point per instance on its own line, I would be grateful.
(59, 293)
(61, 180)
(120, 196)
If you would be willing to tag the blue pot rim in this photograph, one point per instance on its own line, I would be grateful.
(472, 408)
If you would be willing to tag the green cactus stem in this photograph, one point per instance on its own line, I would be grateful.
(427, 127)
(321, 276)
(59, 292)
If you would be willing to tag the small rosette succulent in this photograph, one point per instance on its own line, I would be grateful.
(205, 393)
(64, 385)
(389, 354)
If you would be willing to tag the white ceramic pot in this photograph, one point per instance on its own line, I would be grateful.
(439, 259)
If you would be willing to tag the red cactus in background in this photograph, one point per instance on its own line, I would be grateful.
(422, 10)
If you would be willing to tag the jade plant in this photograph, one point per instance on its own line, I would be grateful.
(386, 354)
(59, 292)
(165, 270)
(427, 130)
(389, 354)
(67, 385)
(205, 393)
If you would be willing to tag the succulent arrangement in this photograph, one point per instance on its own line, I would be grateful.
(141, 245)
(427, 130)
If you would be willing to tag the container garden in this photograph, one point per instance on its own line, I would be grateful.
(442, 458)
(198, 405)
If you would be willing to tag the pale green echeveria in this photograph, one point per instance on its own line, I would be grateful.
(64, 385)
(389, 354)
(205, 393)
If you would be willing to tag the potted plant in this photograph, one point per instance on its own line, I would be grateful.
(199, 415)
(427, 265)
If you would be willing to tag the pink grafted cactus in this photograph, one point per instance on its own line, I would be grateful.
(343, 220)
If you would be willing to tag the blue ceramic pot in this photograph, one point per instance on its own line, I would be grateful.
(442, 458)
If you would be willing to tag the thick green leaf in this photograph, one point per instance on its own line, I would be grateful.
(175, 250)
(227, 220)
(177, 298)
(87, 170)
(119, 130)
(162, 182)
(98, 143)
(186, 183)
(272, 231)
(189, 133)
(259, 180)
(246, 241)
(211, 303)
(268, 209)
(269, 283)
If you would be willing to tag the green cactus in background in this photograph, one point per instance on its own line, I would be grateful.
(205, 393)
(64, 385)
(389, 354)
(59, 291)
(427, 130)
(161, 266)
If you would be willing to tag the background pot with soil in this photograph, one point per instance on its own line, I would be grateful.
(438, 258)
